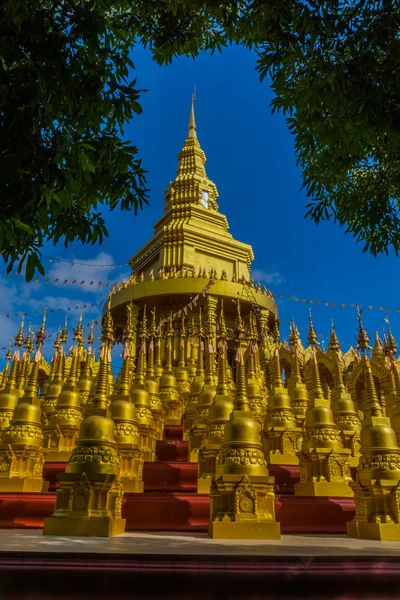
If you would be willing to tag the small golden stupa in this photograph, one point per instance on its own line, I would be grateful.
(324, 463)
(376, 489)
(123, 413)
(218, 415)
(89, 497)
(21, 449)
(242, 493)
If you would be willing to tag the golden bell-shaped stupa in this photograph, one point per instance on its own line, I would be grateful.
(196, 387)
(376, 489)
(9, 394)
(62, 431)
(344, 412)
(141, 399)
(218, 415)
(206, 396)
(21, 448)
(53, 387)
(152, 386)
(297, 389)
(324, 463)
(89, 497)
(86, 379)
(254, 383)
(123, 413)
(282, 436)
(169, 391)
(181, 371)
(242, 492)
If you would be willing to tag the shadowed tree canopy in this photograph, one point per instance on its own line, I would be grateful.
(67, 88)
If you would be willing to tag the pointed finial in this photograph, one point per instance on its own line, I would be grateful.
(294, 336)
(312, 336)
(9, 351)
(391, 344)
(362, 338)
(315, 384)
(64, 333)
(241, 398)
(90, 339)
(222, 331)
(240, 330)
(276, 333)
(192, 123)
(333, 340)
(19, 338)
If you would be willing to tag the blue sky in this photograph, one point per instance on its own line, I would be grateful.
(250, 157)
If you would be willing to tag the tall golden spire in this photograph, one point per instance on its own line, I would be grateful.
(277, 382)
(192, 123)
(191, 185)
(312, 336)
(241, 401)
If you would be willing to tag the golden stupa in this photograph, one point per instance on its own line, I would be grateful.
(191, 246)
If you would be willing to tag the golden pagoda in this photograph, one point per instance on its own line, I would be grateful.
(376, 489)
(89, 497)
(324, 462)
(190, 249)
(242, 492)
(218, 415)
(21, 449)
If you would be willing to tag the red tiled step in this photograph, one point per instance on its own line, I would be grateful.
(285, 477)
(170, 477)
(173, 433)
(185, 512)
(172, 451)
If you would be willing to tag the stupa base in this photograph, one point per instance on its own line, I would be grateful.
(204, 485)
(354, 460)
(362, 530)
(282, 459)
(244, 530)
(194, 455)
(133, 486)
(323, 488)
(84, 526)
(55, 456)
(27, 484)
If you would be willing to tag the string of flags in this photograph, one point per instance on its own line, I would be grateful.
(190, 305)
(74, 263)
(115, 286)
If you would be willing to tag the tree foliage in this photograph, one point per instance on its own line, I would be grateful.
(65, 94)
(335, 72)
(67, 89)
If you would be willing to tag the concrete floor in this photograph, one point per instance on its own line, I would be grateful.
(194, 544)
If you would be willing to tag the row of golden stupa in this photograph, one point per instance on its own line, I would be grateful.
(204, 352)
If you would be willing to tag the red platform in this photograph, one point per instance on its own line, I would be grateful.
(185, 512)
(170, 477)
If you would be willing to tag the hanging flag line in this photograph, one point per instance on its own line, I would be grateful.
(74, 263)
(132, 281)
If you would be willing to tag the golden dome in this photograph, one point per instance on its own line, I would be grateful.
(221, 409)
(207, 396)
(95, 429)
(280, 400)
(140, 397)
(378, 437)
(168, 380)
(152, 387)
(123, 410)
(242, 429)
(8, 400)
(319, 416)
(69, 398)
(28, 413)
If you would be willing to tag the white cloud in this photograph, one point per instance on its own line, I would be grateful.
(100, 269)
(269, 276)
